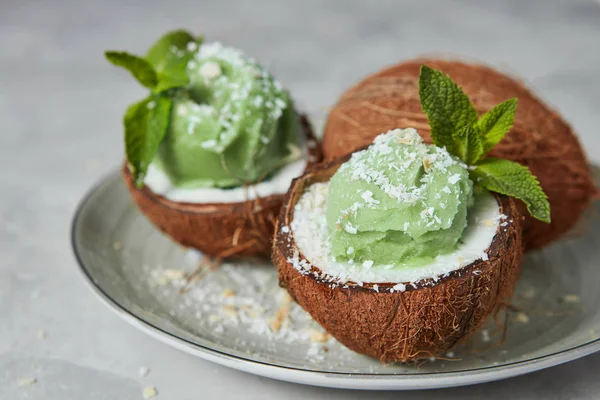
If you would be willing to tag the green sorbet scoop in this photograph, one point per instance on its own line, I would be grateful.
(237, 126)
(398, 202)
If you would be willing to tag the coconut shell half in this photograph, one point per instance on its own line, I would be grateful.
(425, 320)
(540, 138)
(242, 229)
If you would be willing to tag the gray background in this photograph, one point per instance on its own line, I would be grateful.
(60, 113)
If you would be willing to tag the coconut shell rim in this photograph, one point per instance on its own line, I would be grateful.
(285, 243)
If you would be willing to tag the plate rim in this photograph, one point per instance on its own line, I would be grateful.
(314, 377)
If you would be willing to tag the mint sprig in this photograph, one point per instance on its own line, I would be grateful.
(468, 144)
(513, 179)
(170, 54)
(496, 123)
(141, 69)
(455, 125)
(163, 71)
(146, 124)
(447, 107)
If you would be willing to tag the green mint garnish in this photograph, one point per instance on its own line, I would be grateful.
(455, 125)
(515, 180)
(468, 144)
(170, 54)
(446, 105)
(140, 68)
(146, 124)
(496, 123)
(162, 70)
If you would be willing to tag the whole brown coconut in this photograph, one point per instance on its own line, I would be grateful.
(218, 229)
(425, 320)
(539, 139)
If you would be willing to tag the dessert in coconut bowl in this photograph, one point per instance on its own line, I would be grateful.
(213, 147)
(403, 249)
(539, 139)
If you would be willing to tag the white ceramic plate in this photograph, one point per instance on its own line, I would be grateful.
(236, 314)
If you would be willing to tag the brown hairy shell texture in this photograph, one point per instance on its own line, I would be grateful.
(540, 138)
(427, 319)
(218, 229)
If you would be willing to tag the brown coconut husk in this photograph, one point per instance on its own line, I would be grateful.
(540, 138)
(242, 229)
(427, 319)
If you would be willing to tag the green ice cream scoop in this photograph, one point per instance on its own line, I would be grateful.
(236, 125)
(398, 202)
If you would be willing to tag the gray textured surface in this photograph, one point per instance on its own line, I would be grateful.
(60, 106)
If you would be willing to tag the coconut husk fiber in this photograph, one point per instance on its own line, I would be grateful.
(241, 229)
(425, 320)
(540, 138)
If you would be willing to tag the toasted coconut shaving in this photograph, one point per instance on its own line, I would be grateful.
(281, 314)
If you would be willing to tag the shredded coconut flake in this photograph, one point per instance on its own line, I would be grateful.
(350, 229)
(149, 392)
(400, 287)
(454, 179)
(210, 70)
(27, 381)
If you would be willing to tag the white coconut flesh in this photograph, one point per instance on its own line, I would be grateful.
(309, 230)
(159, 183)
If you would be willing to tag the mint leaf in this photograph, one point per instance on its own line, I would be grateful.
(447, 107)
(139, 68)
(163, 52)
(169, 82)
(454, 125)
(515, 180)
(170, 55)
(146, 124)
(496, 123)
(468, 144)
